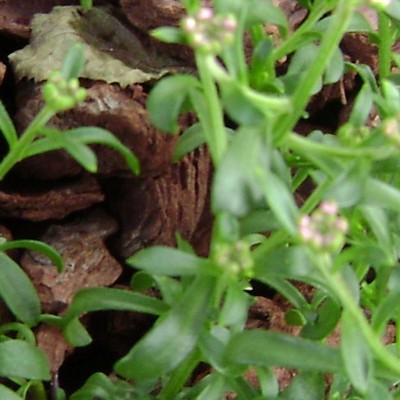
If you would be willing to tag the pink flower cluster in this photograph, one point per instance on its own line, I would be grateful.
(209, 32)
(324, 230)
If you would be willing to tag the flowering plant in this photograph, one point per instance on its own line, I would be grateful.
(332, 241)
(340, 239)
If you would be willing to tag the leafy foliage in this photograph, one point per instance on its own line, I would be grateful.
(346, 228)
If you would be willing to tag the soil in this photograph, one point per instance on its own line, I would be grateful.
(97, 221)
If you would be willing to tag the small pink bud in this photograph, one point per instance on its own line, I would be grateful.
(329, 207)
(205, 14)
(341, 225)
(306, 233)
(230, 24)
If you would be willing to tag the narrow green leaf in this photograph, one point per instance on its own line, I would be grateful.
(8, 394)
(7, 127)
(302, 59)
(356, 356)
(100, 386)
(381, 194)
(168, 34)
(235, 178)
(358, 23)
(262, 11)
(268, 349)
(170, 288)
(378, 221)
(214, 389)
(19, 359)
(285, 289)
(212, 344)
(76, 334)
(362, 106)
(238, 105)
(365, 73)
(166, 100)
(141, 281)
(279, 198)
(78, 150)
(52, 254)
(306, 385)
(172, 338)
(73, 62)
(99, 298)
(387, 309)
(335, 68)
(83, 154)
(259, 221)
(83, 135)
(379, 390)
(95, 135)
(163, 260)
(235, 309)
(348, 187)
(328, 316)
(17, 291)
(191, 139)
(268, 382)
(286, 263)
(21, 330)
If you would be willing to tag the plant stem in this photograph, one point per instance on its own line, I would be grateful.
(329, 44)
(180, 377)
(16, 153)
(214, 129)
(292, 42)
(305, 146)
(384, 49)
(340, 290)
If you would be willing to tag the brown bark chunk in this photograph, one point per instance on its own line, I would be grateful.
(87, 262)
(120, 111)
(42, 203)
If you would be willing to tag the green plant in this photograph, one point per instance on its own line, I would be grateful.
(21, 361)
(347, 226)
(60, 93)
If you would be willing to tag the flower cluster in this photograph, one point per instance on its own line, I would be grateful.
(235, 258)
(209, 32)
(61, 94)
(324, 230)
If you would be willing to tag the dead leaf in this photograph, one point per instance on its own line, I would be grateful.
(113, 53)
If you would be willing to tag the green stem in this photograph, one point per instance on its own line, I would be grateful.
(275, 240)
(16, 153)
(213, 126)
(329, 44)
(290, 45)
(339, 288)
(180, 377)
(384, 49)
(305, 147)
